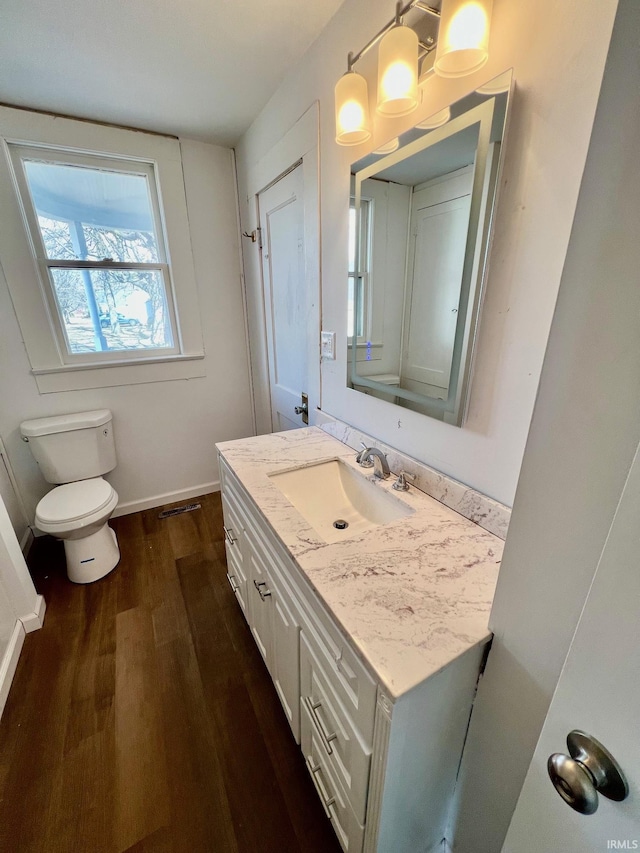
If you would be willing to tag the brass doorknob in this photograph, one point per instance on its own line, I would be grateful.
(591, 770)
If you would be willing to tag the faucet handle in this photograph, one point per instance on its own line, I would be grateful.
(401, 484)
(367, 463)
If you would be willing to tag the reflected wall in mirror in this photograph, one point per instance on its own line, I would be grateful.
(420, 224)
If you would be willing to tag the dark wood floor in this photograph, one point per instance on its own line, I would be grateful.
(142, 718)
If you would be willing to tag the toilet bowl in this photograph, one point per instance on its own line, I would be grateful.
(78, 514)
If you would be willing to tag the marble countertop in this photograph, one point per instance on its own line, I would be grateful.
(412, 595)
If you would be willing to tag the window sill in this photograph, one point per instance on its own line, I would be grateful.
(78, 377)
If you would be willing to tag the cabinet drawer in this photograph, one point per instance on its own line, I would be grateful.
(351, 682)
(349, 830)
(276, 625)
(345, 751)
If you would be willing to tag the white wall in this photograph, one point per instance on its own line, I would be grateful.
(164, 431)
(558, 59)
(584, 433)
(10, 498)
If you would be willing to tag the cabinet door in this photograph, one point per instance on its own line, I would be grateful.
(345, 751)
(261, 604)
(349, 830)
(234, 540)
(285, 665)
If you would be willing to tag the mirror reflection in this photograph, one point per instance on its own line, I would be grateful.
(419, 230)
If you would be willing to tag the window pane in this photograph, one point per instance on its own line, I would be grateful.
(130, 309)
(92, 214)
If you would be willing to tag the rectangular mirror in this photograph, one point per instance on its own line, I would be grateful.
(420, 223)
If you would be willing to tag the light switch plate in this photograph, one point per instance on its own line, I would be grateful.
(328, 345)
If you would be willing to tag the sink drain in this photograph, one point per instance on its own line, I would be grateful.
(340, 524)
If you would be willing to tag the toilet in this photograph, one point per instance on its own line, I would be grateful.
(74, 451)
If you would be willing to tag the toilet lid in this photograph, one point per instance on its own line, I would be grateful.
(74, 500)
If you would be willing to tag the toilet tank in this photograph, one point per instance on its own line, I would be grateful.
(72, 447)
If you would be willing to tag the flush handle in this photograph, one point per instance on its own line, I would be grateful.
(587, 771)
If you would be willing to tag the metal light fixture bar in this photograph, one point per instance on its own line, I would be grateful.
(401, 11)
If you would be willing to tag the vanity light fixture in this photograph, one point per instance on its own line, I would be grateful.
(462, 48)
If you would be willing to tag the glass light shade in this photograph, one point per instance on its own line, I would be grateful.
(398, 72)
(499, 84)
(388, 147)
(463, 37)
(436, 120)
(353, 124)
(427, 70)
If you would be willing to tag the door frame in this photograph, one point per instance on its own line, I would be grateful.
(299, 145)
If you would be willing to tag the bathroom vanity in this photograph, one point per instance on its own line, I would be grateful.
(374, 634)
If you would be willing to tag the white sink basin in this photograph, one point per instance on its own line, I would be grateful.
(331, 492)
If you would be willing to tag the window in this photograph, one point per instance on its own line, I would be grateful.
(95, 245)
(359, 242)
(97, 236)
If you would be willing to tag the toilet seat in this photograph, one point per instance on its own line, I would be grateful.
(75, 503)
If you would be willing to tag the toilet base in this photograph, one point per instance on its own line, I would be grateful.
(92, 557)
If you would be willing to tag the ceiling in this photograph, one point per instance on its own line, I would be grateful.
(197, 68)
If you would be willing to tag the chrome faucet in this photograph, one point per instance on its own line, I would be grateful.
(380, 465)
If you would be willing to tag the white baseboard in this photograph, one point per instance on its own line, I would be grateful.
(167, 498)
(33, 621)
(10, 662)
(27, 541)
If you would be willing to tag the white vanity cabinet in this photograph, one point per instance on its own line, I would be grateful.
(384, 767)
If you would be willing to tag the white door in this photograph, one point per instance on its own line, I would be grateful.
(599, 693)
(286, 296)
(438, 240)
(432, 312)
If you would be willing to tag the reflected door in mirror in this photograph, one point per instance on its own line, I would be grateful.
(439, 226)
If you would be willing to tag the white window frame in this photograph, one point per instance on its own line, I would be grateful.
(20, 153)
(363, 251)
(21, 258)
